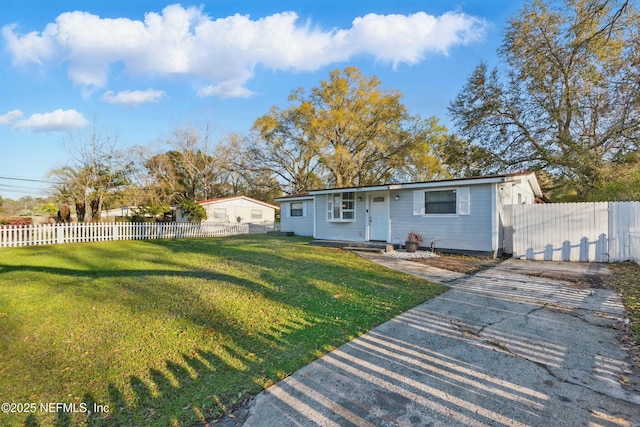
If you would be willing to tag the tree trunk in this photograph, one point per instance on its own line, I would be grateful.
(80, 211)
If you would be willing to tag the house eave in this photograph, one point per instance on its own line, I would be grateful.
(530, 177)
(227, 199)
(351, 190)
(436, 184)
(293, 198)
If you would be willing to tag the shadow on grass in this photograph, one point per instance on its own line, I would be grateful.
(186, 389)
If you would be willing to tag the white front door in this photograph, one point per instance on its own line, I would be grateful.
(379, 216)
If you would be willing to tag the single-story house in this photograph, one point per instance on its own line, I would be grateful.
(116, 213)
(236, 210)
(457, 215)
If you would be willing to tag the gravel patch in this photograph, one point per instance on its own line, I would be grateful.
(402, 254)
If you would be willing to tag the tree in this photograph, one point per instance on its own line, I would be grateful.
(163, 186)
(50, 208)
(568, 99)
(193, 211)
(422, 161)
(190, 170)
(286, 147)
(621, 182)
(241, 174)
(151, 213)
(98, 171)
(73, 187)
(460, 158)
(348, 131)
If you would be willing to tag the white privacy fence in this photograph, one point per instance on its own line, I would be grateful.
(594, 232)
(49, 234)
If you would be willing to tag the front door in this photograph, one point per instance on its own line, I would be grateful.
(379, 216)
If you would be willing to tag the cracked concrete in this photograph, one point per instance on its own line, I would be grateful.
(500, 348)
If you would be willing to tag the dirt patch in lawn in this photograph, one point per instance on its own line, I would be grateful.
(625, 278)
(578, 281)
(459, 263)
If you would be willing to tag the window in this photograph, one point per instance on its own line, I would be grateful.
(219, 213)
(297, 209)
(341, 207)
(256, 214)
(440, 202)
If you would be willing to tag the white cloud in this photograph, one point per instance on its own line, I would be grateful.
(11, 117)
(55, 121)
(222, 53)
(228, 89)
(133, 98)
(406, 39)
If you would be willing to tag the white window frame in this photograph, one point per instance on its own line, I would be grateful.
(256, 213)
(463, 202)
(302, 209)
(220, 214)
(337, 213)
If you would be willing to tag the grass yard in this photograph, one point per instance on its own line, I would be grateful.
(626, 280)
(175, 332)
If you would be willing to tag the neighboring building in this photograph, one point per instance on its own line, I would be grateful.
(117, 213)
(458, 215)
(236, 210)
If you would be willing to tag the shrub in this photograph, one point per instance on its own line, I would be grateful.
(16, 221)
(193, 211)
(414, 237)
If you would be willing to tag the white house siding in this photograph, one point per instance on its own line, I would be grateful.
(349, 231)
(471, 232)
(240, 208)
(112, 214)
(518, 192)
(235, 208)
(299, 225)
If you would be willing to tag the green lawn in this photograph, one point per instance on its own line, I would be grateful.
(626, 280)
(174, 332)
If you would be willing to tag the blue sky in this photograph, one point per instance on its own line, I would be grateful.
(140, 69)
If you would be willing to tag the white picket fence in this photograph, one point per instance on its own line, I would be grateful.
(593, 232)
(50, 234)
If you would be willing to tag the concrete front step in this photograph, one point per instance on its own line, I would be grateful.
(280, 233)
(354, 246)
(361, 249)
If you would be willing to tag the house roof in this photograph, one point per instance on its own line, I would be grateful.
(476, 180)
(226, 199)
(297, 196)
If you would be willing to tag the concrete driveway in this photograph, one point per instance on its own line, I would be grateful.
(501, 348)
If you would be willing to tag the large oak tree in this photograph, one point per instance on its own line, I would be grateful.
(348, 131)
(566, 98)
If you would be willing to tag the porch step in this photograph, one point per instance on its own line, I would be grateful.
(362, 249)
(354, 246)
(280, 233)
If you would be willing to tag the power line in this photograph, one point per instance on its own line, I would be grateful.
(29, 190)
(12, 178)
(22, 188)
